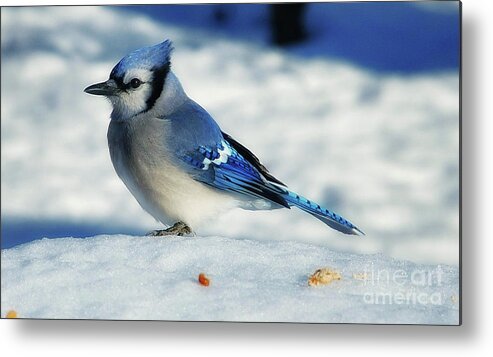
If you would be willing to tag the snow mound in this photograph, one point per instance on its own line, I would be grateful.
(148, 278)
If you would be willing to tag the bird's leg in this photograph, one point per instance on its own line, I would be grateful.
(178, 229)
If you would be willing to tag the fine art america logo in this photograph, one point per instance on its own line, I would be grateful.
(399, 286)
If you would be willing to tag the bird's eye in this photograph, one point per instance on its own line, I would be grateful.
(135, 83)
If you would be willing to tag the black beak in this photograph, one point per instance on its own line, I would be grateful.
(107, 88)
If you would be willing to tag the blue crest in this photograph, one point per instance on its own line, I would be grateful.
(152, 57)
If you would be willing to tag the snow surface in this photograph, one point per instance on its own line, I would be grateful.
(382, 150)
(123, 277)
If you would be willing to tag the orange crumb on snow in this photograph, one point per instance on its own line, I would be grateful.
(11, 314)
(203, 280)
(323, 276)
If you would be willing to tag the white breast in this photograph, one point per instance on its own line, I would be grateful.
(169, 194)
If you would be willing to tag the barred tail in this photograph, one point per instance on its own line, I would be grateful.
(329, 218)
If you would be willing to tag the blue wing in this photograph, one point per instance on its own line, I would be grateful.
(216, 159)
(210, 157)
(228, 170)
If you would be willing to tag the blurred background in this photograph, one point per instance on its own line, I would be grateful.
(354, 105)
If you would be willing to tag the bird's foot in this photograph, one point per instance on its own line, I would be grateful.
(178, 229)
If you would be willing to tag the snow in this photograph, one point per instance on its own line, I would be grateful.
(155, 278)
(381, 149)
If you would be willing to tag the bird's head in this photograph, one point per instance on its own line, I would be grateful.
(137, 81)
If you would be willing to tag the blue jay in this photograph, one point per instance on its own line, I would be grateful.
(174, 158)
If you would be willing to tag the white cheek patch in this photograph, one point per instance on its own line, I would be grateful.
(224, 155)
(130, 103)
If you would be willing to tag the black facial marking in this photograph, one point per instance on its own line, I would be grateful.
(159, 77)
(133, 84)
(118, 79)
(157, 84)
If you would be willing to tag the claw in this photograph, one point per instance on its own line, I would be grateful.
(178, 229)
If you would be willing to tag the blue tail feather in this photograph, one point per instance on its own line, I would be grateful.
(330, 218)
